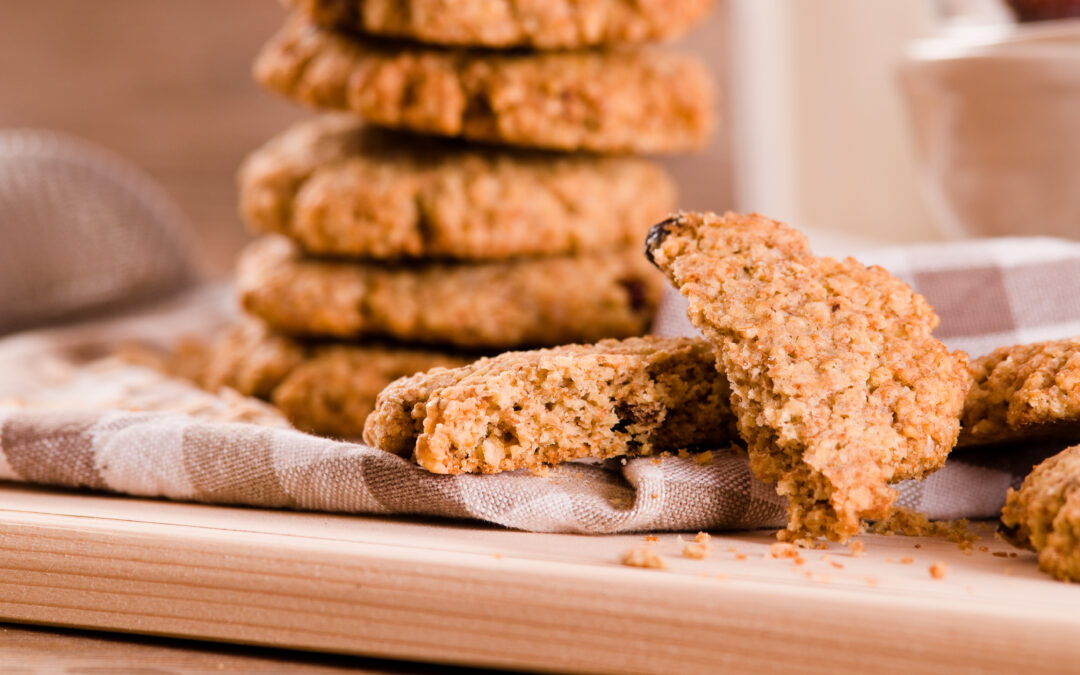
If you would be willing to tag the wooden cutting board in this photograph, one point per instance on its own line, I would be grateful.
(469, 594)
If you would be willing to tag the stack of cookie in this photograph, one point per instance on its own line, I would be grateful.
(395, 242)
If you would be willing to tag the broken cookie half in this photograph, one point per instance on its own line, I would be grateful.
(633, 397)
(837, 383)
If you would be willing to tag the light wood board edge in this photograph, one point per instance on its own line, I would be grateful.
(408, 603)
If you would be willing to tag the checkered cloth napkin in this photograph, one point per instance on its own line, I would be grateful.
(120, 428)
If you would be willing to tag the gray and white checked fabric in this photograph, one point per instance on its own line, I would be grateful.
(989, 293)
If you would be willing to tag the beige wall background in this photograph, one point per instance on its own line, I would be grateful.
(166, 83)
(822, 137)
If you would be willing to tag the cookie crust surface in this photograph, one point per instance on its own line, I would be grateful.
(326, 389)
(338, 187)
(550, 24)
(519, 410)
(643, 100)
(1044, 515)
(839, 387)
(1024, 391)
(542, 301)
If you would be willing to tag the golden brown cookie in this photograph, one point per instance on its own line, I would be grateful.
(839, 387)
(519, 410)
(338, 187)
(1044, 515)
(326, 389)
(1024, 391)
(542, 301)
(643, 100)
(543, 24)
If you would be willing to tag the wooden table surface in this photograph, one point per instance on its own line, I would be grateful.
(37, 650)
(465, 593)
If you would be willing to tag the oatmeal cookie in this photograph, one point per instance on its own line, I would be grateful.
(519, 410)
(1044, 514)
(1024, 391)
(542, 301)
(603, 101)
(326, 389)
(337, 187)
(839, 387)
(550, 24)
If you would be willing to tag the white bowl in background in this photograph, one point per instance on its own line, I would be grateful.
(996, 120)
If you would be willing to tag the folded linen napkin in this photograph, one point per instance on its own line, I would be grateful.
(988, 293)
(81, 229)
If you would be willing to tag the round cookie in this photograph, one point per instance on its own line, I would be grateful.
(1044, 515)
(538, 24)
(541, 301)
(326, 389)
(338, 187)
(1024, 391)
(642, 100)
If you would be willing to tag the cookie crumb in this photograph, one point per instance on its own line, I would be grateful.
(740, 556)
(783, 550)
(1000, 554)
(651, 538)
(984, 549)
(857, 549)
(907, 560)
(938, 570)
(837, 565)
(914, 524)
(918, 545)
(871, 581)
(700, 549)
(643, 555)
(654, 496)
(703, 458)
(498, 556)
(799, 560)
(697, 551)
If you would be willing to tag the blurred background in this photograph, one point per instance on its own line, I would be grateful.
(165, 84)
(844, 116)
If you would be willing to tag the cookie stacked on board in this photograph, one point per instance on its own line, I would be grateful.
(471, 187)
